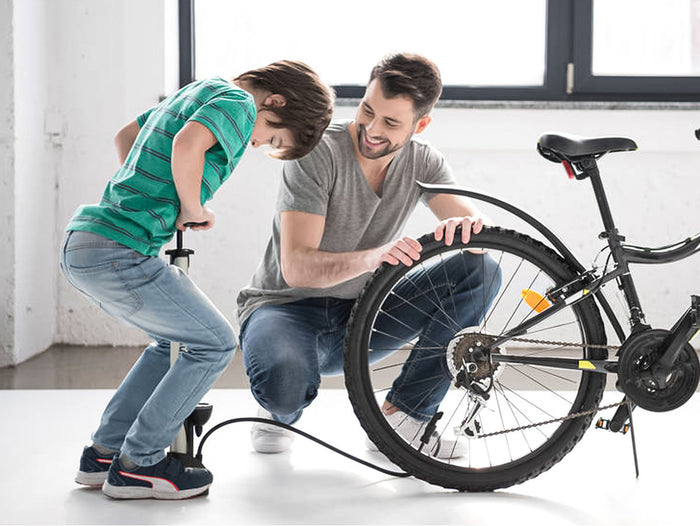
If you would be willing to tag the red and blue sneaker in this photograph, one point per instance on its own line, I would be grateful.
(168, 479)
(93, 467)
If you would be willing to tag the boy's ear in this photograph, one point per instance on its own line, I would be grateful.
(275, 100)
(422, 123)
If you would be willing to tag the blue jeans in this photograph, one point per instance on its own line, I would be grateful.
(148, 409)
(286, 348)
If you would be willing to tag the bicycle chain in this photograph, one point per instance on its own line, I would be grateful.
(552, 421)
(566, 344)
(563, 418)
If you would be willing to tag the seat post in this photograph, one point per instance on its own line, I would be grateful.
(615, 240)
(589, 167)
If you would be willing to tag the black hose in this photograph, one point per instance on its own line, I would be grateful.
(298, 432)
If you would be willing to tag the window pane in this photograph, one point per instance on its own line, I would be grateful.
(646, 38)
(473, 42)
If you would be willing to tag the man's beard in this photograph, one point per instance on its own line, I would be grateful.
(375, 154)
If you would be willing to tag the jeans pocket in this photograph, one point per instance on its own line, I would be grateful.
(101, 272)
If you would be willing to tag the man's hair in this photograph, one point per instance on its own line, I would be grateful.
(309, 102)
(410, 75)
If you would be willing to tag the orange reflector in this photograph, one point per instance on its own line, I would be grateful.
(535, 300)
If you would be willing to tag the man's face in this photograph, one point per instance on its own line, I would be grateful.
(384, 125)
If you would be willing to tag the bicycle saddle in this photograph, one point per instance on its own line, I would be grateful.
(558, 147)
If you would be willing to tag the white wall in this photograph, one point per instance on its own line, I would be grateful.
(7, 188)
(108, 72)
(78, 86)
(35, 185)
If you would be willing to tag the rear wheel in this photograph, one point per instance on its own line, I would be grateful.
(494, 409)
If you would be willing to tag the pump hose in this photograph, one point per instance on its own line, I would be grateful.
(298, 432)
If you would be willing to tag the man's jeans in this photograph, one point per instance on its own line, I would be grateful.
(286, 348)
(154, 399)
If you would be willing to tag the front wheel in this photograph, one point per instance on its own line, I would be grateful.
(415, 342)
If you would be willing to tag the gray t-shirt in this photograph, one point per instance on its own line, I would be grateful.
(329, 182)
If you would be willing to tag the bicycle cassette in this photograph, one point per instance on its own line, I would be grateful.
(638, 356)
(469, 361)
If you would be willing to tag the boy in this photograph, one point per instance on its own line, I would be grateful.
(174, 157)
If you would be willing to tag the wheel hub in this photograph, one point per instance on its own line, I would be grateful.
(469, 360)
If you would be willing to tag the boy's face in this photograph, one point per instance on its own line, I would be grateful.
(266, 135)
(384, 125)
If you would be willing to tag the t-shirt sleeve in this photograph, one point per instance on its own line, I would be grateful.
(231, 120)
(141, 119)
(306, 183)
(437, 171)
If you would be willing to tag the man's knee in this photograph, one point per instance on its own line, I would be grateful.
(279, 379)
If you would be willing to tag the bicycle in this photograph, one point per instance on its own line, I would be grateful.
(527, 381)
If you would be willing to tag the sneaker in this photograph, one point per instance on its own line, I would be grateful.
(411, 430)
(268, 438)
(168, 479)
(93, 467)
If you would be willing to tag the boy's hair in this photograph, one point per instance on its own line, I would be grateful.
(411, 75)
(309, 105)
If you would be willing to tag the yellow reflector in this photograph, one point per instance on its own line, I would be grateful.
(535, 300)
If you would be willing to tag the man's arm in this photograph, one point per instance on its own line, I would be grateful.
(304, 265)
(124, 139)
(454, 211)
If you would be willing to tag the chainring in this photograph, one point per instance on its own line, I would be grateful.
(638, 355)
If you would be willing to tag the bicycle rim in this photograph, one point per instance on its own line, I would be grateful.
(518, 395)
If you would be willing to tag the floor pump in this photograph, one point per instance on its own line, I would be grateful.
(182, 447)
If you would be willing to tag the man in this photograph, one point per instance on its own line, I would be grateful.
(339, 211)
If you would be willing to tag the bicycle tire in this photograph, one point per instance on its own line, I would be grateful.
(582, 391)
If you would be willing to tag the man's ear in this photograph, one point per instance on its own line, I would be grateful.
(422, 123)
(275, 100)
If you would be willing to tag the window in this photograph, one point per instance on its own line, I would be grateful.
(489, 50)
(637, 49)
(345, 43)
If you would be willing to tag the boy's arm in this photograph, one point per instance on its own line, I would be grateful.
(304, 265)
(187, 163)
(124, 139)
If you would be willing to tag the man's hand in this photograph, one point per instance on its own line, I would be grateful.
(405, 250)
(446, 228)
(205, 218)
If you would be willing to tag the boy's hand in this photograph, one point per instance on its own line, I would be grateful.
(203, 219)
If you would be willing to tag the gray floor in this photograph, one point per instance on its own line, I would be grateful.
(49, 406)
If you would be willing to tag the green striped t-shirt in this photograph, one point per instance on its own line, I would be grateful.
(140, 204)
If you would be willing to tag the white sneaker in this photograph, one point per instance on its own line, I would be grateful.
(268, 438)
(411, 430)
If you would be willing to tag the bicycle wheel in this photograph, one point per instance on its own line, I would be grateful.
(515, 421)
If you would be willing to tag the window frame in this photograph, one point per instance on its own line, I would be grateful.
(567, 77)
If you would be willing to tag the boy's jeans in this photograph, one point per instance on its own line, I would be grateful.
(154, 399)
(287, 347)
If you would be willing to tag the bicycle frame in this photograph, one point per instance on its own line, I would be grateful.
(587, 282)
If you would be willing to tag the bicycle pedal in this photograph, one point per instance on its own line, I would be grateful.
(604, 424)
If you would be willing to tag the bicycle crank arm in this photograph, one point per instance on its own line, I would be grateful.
(685, 329)
(598, 366)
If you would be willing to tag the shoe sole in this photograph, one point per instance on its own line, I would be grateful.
(137, 492)
(94, 479)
